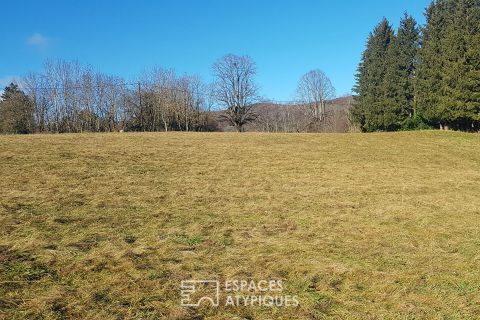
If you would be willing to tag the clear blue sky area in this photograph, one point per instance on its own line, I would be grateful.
(285, 38)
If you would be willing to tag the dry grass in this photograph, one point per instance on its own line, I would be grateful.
(105, 226)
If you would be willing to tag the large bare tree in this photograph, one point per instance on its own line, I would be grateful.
(313, 90)
(234, 88)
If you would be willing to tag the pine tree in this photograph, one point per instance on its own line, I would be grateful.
(453, 69)
(398, 84)
(448, 82)
(16, 111)
(460, 85)
(471, 80)
(428, 81)
(368, 111)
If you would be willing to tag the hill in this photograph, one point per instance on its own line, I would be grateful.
(107, 226)
(274, 117)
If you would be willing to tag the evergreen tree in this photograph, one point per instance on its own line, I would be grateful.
(16, 111)
(429, 78)
(448, 83)
(368, 111)
(453, 64)
(471, 81)
(460, 85)
(398, 84)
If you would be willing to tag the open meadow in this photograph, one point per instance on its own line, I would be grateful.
(357, 226)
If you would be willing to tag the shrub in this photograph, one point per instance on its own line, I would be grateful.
(417, 122)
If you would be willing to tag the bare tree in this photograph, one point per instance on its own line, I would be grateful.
(313, 90)
(235, 89)
(69, 97)
(171, 102)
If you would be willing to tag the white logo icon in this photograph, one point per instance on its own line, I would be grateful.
(209, 288)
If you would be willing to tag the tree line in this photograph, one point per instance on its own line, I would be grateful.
(67, 97)
(422, 77)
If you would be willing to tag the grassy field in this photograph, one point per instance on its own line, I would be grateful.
(357, 226)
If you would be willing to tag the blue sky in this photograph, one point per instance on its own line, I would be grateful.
(285, 38)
